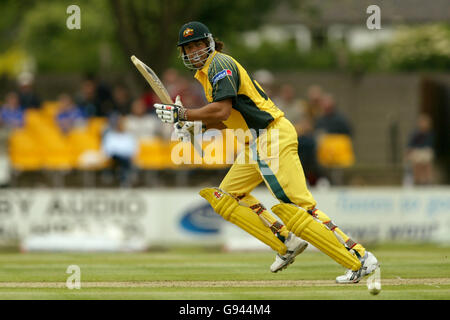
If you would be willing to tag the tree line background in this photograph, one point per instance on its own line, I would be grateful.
(113, 30)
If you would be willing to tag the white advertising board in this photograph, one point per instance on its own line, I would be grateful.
(135, 219)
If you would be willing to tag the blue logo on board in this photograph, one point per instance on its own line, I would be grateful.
(201, 219)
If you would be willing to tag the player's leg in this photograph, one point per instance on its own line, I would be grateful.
(359, 250)
(287, 182)
(266, 217)
(240, 180)
(294, 245)
(251, 215)
(229, 208)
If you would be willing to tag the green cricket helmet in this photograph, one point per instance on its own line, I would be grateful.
(194, 31)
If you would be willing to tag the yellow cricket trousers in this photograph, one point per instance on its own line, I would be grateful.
(274, 159)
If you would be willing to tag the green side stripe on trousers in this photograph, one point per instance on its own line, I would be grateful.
(271, 179)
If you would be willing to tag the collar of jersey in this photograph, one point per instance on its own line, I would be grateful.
(204, 69)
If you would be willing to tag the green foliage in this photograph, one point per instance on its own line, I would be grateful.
(12, 13)
(411, 49)
(283, 57)
(56, 48)
(420, 48)
(112, 30)
(227, 18)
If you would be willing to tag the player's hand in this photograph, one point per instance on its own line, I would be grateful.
(171, 113)
(178, 101)
(184, 130)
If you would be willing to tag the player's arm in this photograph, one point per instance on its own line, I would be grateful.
(217, 125)
(225, 86)
(211, 114)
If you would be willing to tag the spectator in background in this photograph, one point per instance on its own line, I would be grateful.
(312, 106)
(176, 85)
(330, 119)
(95, 99)
(172, 82)
(420, 151)
(27, 95)
(11, 113)
(334, 142)
(293, 108)
(69, 114)
(191, 93)
(11, 117)
(149, 98)
(121, 99)
(121, 147)
(307, 151)
(140, 124)
(266, 80)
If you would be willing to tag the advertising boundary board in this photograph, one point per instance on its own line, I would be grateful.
(135, 219)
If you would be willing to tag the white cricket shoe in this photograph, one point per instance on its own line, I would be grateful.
(368, 265)
(295, 246)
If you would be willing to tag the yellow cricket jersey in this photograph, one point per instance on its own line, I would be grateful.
(223, 77)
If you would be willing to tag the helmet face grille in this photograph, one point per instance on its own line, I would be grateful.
(200, 56)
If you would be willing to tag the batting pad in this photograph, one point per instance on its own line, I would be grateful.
(244, 217)
(302, 224)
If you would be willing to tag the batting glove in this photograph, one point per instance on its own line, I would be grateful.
(171, 113)
(184, 131)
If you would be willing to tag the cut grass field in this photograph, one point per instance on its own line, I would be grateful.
(407, 272)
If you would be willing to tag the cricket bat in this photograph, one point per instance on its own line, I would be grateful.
(161, 91)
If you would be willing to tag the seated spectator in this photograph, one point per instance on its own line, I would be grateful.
(266, 80)
(420, 151)
(140, 124)
(191, 94)
(11, 113)
(149, 98)
(314, 97)
(121, 99)
(307, 151)
(334, 142)
(27, 95)
(293, 108)
(95, 99)
(172, 82)
(69, 114)
(331, 120)
(121, 147)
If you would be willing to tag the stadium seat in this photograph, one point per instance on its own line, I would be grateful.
(57, 154)
(24, 151)
(335, 151)
(96, 125)
(85, 147)
(151, 154)
(37, 122)
(49, 109)
(33, 119)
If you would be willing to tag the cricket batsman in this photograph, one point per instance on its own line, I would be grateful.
(236, 101)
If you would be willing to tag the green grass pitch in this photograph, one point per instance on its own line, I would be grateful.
(407, 272)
